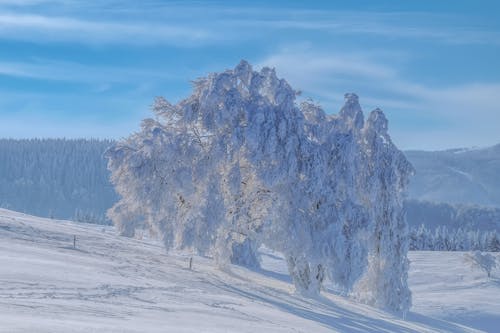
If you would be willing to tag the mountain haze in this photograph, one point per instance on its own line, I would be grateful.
(457, 176)
(52, 177)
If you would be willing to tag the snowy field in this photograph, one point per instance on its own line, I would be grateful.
(115, 284)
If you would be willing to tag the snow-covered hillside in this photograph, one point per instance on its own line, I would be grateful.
(467, 176)
(116, 284)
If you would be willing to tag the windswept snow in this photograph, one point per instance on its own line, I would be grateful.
(445, 285)
(116, 284)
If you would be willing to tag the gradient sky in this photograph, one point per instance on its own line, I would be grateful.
(92, 69)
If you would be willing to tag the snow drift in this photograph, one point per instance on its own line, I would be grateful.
(239, 164)
(119, 284)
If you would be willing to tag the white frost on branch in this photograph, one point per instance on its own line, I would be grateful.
(238, 164)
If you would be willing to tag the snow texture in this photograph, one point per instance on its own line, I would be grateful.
(117, 284)
(238, 164)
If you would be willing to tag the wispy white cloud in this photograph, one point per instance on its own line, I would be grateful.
(75, 72)
(452, 35)
(68, 29)
(15, 127)
(192, 24)
(41, 114)
(333, 63)
(21, 2)
(329, 73)
(427, 26)
(325, 68)
(465, 114)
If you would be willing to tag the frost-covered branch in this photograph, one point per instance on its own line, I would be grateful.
(238, 164)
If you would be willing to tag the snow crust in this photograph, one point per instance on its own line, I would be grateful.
(119, 284)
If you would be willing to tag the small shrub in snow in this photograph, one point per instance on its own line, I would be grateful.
(484, 261)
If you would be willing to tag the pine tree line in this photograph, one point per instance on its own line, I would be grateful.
(57, 178)
(240, 164)
(445, 239)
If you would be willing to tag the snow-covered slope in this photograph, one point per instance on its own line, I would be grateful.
(456, 188)
(116, 284)
(445, 286)
(468, 176)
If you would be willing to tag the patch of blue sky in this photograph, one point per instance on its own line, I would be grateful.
(433, 66)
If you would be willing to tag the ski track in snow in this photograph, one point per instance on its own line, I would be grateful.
(116, 284)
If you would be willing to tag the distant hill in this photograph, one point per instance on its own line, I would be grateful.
(456, 188)
(468, 217)
(68, 179)
(457, 176)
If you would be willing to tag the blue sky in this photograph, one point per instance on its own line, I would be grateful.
(92, 69)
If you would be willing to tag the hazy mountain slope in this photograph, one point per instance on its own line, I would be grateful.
(115, 284)
(457, 176)
(66, 176)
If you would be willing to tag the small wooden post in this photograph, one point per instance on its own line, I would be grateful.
(74, 241)
(191, 263)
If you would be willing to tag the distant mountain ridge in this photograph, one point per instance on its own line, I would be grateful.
(457, 176)
(455, 188)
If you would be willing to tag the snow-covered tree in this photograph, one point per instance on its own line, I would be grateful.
(238, 164)
(385, 282)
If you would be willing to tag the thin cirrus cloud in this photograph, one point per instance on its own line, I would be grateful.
(387, 57)
(447, 115)
(75, 72)
(449, 28)
(15, 127)
(20, 2)
(216, 24)
(48, 28)
(325, 73)
(293, 60)
(309, 70)
(357, 26)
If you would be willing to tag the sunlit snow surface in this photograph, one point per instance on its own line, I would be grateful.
(116, 284)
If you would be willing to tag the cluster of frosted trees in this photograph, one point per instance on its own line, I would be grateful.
(445, 239)
(56, 178)
(238, 164)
